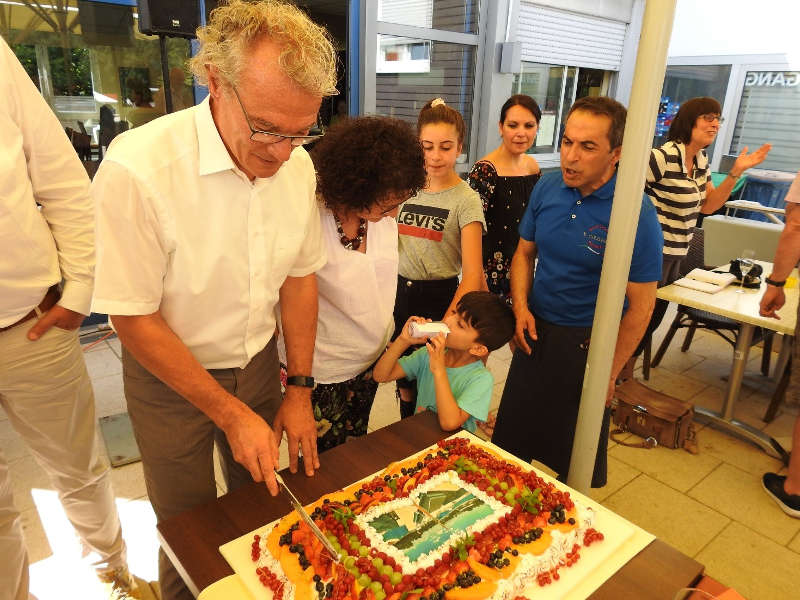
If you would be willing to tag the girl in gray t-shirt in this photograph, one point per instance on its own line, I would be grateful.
(440, 231)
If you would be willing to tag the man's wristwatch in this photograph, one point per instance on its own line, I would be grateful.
(300, 381)
(774, 283)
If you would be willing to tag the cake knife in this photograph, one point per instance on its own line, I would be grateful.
(308, 520)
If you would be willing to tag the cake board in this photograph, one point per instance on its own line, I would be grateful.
(623, 540)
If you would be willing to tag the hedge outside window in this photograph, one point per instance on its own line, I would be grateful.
(88, 59)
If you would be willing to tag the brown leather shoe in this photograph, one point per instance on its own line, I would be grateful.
(121, 584)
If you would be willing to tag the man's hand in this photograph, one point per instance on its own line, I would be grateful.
(773, 300)
(57, 316)
(296, 418)
(746, 161)
(436, 348)
(254, 445)
(525, 322)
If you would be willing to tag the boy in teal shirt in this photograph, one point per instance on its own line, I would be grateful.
(452, 380)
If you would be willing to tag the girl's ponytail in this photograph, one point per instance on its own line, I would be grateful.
(437, 111)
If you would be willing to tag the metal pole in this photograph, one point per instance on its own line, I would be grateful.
(162, 43)
(647, 83)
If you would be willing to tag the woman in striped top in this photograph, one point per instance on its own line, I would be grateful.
(679, 185)
(679, 180)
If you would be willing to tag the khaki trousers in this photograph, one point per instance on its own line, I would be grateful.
(176, 441)
(47, 395)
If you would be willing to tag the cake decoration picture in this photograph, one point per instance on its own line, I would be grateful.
(456, 522)
(421, 528)
(434, 514)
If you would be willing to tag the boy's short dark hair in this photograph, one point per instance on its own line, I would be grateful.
(490, 316)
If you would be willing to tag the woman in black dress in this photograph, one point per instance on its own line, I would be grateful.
(504, 178)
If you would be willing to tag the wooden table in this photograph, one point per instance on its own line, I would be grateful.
(743, 308)
(191, 539)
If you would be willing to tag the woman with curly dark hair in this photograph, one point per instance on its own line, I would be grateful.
(366, 167)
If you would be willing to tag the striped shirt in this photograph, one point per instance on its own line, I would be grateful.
(676, 195)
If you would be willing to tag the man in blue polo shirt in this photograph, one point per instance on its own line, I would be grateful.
(565, 227)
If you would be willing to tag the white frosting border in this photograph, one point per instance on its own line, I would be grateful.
(265, 559)
(531, 566)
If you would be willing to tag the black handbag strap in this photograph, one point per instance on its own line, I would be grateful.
(647, 443)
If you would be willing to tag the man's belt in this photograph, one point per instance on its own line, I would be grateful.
(50, 298)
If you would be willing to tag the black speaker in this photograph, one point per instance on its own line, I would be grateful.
(179, 18)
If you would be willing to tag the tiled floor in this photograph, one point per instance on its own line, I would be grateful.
(709, 505)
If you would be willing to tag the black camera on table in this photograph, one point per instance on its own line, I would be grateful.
(752, 279)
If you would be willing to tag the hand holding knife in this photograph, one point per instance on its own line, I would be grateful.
(307, 519)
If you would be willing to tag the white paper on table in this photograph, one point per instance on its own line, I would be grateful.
(706, 281)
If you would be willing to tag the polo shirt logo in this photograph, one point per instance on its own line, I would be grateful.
(422, 221)
(595, 239)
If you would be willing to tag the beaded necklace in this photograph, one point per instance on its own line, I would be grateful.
(355, 242)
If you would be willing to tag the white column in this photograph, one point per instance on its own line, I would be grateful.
(647, 82)
(495, 86)
(622, 89)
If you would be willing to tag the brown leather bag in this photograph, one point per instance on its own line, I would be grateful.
(660, 419)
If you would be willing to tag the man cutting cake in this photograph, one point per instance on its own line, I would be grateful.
(206, 219)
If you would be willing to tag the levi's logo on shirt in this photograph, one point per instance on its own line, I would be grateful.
(422, 221)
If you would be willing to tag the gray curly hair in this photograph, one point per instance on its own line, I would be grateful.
(308, 56)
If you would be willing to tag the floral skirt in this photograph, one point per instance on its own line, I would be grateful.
(341, 409)
(498, 275)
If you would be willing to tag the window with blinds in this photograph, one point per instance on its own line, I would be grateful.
(447, 15)
(442, 70)
(769, 112)
(550, 35)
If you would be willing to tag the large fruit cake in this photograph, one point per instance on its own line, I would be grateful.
(456, 523)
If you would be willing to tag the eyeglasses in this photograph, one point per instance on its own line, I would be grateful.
(709, 118)
(268, 137)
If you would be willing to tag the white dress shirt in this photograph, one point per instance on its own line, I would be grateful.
(39, 165)
(182, 230)
(356, 302)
